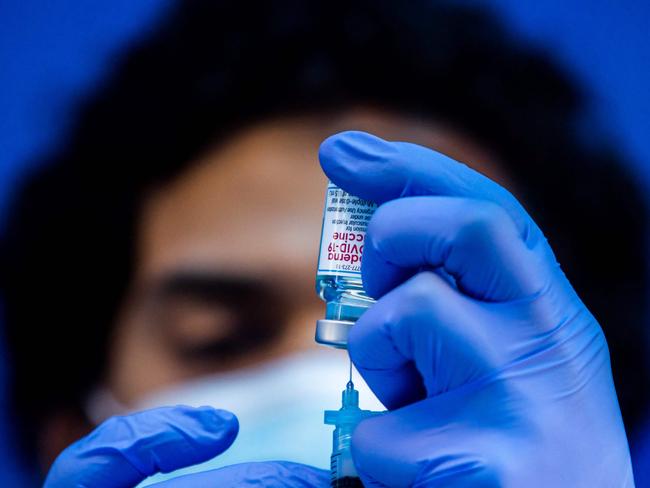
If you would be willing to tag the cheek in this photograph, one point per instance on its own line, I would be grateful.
(140, 362)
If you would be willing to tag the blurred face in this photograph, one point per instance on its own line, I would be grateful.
(226, 259)
(227, 252)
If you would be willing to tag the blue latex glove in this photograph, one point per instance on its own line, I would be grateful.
(123, 451)
(495, 372)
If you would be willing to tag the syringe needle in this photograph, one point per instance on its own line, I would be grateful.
(350, 384)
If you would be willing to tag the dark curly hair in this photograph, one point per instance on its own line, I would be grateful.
(214, 66)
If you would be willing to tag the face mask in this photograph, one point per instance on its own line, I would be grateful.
(279, 404)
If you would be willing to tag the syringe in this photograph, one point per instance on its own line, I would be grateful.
(343, 471)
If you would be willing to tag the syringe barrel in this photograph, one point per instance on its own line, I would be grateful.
(342, 468)
(339, 480)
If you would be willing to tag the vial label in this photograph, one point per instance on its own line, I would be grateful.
(345, 220)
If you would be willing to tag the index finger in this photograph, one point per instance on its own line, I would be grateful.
(370, 167)
(125, 450)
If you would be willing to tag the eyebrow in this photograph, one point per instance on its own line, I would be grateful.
(259, 308)
(210, 286)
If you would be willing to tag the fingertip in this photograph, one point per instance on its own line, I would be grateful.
(372, 455)
(222, 422)
(334, 152)
(391, 376)
(368, 342)
(347, 143)
(350, 160)
(364, 438)
(184, 435)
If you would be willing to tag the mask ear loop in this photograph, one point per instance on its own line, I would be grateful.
(101, 404)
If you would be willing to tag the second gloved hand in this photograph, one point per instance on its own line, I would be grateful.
(495, 372)
(125, 450)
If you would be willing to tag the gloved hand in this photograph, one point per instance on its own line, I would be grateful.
(494, 371)
(123, 451)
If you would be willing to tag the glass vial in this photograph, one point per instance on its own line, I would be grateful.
(338, 279)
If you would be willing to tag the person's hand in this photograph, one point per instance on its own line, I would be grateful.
(123, 451)
(494, 371)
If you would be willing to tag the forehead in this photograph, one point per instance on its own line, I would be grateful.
(253, 205)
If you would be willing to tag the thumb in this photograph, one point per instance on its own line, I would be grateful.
(441, 441)
(270, 474)
(125, 450)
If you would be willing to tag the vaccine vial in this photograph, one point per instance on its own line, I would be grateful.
(338, 279)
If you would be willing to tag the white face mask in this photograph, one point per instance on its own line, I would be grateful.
(279, 404)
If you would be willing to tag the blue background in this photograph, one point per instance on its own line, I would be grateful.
(54, 52)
